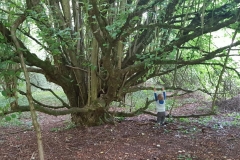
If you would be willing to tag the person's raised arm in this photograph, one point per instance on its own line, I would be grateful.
(164, 93)
(155, 94)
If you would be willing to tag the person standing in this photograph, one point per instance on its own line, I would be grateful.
(160, 106)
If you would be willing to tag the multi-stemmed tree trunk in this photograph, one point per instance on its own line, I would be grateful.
(98, 51)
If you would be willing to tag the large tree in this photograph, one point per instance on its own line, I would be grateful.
(100, 50)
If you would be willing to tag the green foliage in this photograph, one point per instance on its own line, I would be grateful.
(235, 115)
(10, 117)
(137, 100)
(185, 156)
(171, 119)
(171, 102)
(68, 125)
(215, 109)
(234, 123)
(166, 131)
(189, 130)
(204, 120)
(120, 118)
(185, 120)
(4, 93)
(55, 129)
(230, 119)
(11, 120)
(234, 119)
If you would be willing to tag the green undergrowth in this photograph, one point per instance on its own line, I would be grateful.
(15, 120)
(67, 125)
(19, 119)
(216, 122)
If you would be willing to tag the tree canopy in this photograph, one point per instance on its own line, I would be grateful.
(98, 51)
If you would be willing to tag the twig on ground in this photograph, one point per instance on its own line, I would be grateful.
(69, 149)
(110, 148)
(2, 134)
(33, 156)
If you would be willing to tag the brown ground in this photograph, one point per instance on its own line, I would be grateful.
(135, 138)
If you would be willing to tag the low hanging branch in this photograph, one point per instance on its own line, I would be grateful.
(135, 113)
(46, 89)
(182, 116)
(143, 110)
(44, 105)
(191, 115)
(49, 111)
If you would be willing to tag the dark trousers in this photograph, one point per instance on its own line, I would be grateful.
(161, 117)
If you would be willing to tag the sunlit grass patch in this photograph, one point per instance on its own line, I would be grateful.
(17, 119)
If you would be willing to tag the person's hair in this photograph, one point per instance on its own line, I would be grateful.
(160, 97)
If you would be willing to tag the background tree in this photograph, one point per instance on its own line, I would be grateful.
(98, 51)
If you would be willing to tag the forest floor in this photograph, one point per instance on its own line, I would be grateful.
(137, 138)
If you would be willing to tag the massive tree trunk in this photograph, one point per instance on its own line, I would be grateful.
(98, 116)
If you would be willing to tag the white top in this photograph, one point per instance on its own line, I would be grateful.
(160, 107)
(160, 104)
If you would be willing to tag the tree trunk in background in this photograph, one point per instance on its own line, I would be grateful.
(93, 71)
(10, 85)
(119, 54)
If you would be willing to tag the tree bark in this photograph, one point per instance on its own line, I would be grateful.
(36, 125)
(93, 70)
